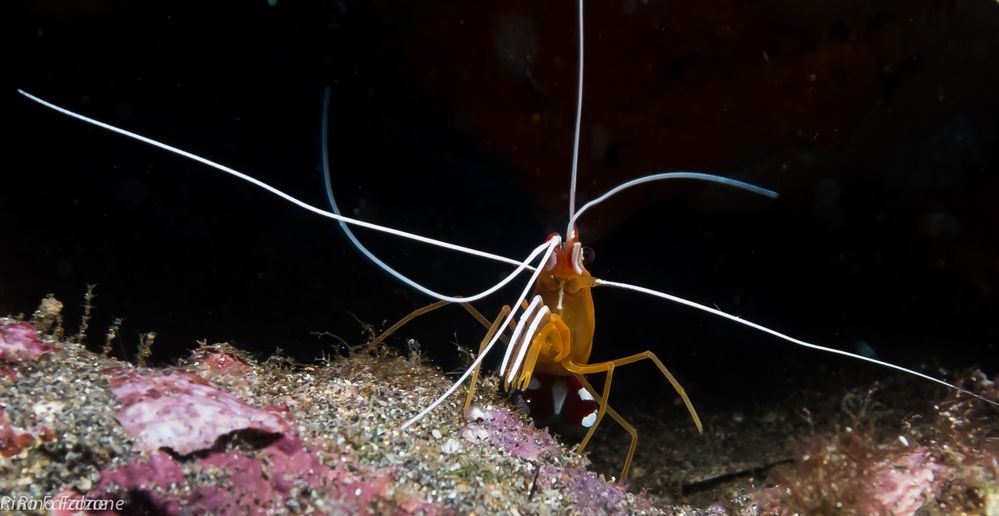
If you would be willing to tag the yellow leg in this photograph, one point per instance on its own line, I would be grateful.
(608, 369)
(620, 420)
(478, 316)
(430, 308)
(405, 320)
(603, 367)
(473, 381)
(648, 355)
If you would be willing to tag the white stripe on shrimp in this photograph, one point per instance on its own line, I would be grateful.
(518, 331)
(536, 321)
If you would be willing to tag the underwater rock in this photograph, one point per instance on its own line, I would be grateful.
(183, 412)
(19, 342)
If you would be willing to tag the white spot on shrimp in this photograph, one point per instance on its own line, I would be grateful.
(589, 420)
(584, 394)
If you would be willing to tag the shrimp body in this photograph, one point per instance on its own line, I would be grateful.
(554, 337)
(564, 291)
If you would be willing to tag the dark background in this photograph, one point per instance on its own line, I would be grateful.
(877, 123)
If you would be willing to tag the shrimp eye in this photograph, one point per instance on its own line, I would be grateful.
(589, 255)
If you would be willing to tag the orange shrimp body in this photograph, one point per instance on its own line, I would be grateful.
(554, 337)
(564, 287)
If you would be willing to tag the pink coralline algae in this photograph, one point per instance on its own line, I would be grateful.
(19, 342)
(902, 485)
(182, 412)
(946, 461)
(282, 476)
(146, 482)
(13, 439)
(507, 432)
(593, 494)
(848, 472)
(280, 469)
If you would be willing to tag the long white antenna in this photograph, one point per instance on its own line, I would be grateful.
(328, 182)
(521, 266)
(699, 176)
(570, 231)
(775, 333)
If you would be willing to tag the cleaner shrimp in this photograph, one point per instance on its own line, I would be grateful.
(567, 257)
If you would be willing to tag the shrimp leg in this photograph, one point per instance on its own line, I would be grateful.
(628, 427)
(608, 369)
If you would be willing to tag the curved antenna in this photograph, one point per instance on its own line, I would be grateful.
(521, 265)
(570, 231)
(328, 182)
(699, 176)
(775, 333)
(550, 246)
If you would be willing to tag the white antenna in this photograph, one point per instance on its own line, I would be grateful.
(775, 333)
(570, 232)
(699, 176)
(328, 182)
(521, 266)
